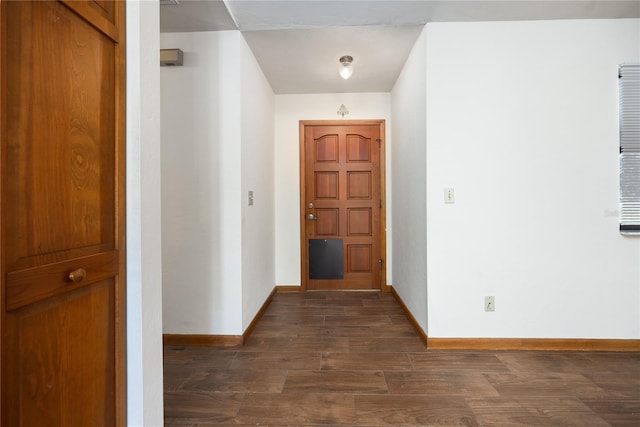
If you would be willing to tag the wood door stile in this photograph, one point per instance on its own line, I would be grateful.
(62, 236)
(342, 204)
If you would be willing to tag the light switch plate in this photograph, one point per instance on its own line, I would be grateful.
(250, 198)
(449, 196)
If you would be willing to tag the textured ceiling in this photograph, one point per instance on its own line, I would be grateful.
(306, 61)
(298, 42)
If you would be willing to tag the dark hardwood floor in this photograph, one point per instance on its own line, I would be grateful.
(353, 359)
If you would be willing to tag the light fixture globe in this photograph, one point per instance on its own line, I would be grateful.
(346, 66)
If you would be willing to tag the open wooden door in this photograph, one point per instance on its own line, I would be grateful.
(62, 213)
(342, 196)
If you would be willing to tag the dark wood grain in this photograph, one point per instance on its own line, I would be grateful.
(62, 108)
(365, 382)
(457, 361)
(306, 366)
(395, 361)
(189, 407)
(617, 412)
(236, 380)
(535, 410)
(301, 409)
(413, 410)
(287, 360)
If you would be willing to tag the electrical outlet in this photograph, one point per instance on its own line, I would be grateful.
(489, 303)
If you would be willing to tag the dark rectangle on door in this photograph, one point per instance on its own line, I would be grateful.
(326, 259)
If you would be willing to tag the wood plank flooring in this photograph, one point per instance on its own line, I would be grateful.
(353, 359)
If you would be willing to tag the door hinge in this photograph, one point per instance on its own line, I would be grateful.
(379, 142)
(380, 204)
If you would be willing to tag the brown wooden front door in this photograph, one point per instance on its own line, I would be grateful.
(342, 205)
(62, 213)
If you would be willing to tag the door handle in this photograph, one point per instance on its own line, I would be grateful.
(77, 276)
(311, 217)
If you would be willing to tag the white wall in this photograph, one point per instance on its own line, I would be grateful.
(144, 258)
(201, 185)
(408, 183)
(537, 234)
(290, 109)
(522, 121)
(258, 220)
(217, 144)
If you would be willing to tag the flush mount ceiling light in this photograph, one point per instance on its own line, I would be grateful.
(346, 67)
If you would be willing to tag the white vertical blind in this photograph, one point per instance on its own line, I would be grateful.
(629, 87)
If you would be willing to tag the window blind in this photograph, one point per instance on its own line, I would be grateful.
(629, 88)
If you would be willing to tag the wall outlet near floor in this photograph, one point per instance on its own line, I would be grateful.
(489, 303)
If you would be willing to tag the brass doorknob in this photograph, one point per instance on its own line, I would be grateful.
(77, 276)
(311, 217)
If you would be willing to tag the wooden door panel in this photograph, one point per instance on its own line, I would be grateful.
(106, 8)
(359, 222)
(359, 185)
(62, 213)
(59, 198)
(103, 14)
(327, 222)
(326, 149)
(327, 184)
(358, 148)
(58, 349)
(359, 258)
(34, 284)
(342, 183)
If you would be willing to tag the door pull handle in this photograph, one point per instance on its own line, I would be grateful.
(77, 276)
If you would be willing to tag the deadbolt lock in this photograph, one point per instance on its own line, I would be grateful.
(310, 205)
